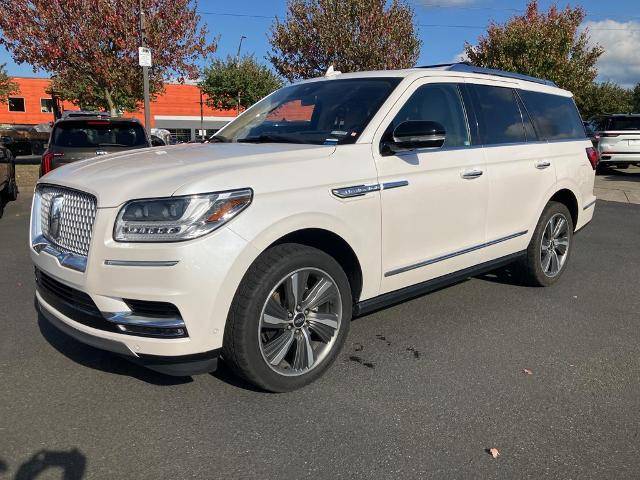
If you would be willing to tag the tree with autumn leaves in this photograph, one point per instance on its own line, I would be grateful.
(237, 83)
(7, 86)
(543, 44)
(91, 46)
(351, 35)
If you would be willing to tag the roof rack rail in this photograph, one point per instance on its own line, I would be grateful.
(469, 68)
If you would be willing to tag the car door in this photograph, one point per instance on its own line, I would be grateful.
(518, 166)
(434, 200)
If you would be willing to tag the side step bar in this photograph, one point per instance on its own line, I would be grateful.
(397, 296)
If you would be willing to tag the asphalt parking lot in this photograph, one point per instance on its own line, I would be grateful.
(421, 390)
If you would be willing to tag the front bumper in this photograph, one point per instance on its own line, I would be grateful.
(198, 277)
(184, 365)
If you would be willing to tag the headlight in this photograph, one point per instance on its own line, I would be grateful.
(174, 219)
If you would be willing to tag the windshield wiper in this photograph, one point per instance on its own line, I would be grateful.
(268, 138)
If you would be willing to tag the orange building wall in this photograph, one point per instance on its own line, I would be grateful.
(177, 100)
(32, 90)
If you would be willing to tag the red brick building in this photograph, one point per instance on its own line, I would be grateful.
(177, 109)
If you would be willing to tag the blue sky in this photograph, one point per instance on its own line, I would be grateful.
(444, 26)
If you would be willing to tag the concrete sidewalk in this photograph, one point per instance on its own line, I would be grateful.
(619, 186)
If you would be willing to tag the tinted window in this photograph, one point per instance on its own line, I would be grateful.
(16, 104)
(555, 117)
(99, 133)
(499, 115)
(438, 103)
(327, 111)
(622, 123)
(529, 130)
(46, 105)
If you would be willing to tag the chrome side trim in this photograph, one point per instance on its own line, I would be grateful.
(398, 184)
(453, 254)
(355, 191)
(141, 263)
(590, 204)
(65, 259)
(128, 318)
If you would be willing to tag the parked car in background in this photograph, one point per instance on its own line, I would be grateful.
(160, 137)
(618, 140)
(8, 184)
(76, 138)
(589, 128)
(23, 139)
(328, 198)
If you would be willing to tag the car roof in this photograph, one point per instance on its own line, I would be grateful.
(87, 118)
(455, 70)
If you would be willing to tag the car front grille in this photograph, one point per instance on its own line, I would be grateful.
(67, 218)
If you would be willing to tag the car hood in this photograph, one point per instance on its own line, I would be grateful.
(181, 170)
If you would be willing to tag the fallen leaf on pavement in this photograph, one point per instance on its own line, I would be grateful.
(494, 452)
(527, 371)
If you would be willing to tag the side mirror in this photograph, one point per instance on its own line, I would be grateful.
(414, 134)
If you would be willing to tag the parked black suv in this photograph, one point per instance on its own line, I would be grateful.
(8, 185)
(78, 138)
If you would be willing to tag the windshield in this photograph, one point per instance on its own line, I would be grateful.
(322, 113)
(622, 123)
(99, 133)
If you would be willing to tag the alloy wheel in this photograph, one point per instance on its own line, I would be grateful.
(554, 245)
(300, 321)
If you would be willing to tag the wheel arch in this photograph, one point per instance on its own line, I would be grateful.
(333, 245)
(565, 192)
(568, 199)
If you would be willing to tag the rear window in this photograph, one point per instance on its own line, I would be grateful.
(621, 123)
(555, 117)
(99, 133)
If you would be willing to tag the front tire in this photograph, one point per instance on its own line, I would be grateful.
(289, 318)
(548, 252)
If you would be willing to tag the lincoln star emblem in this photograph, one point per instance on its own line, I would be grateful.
(55, 215)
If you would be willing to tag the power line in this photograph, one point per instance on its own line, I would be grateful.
(425, 25)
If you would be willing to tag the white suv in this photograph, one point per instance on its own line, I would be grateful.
(327, 199)
(618, 140)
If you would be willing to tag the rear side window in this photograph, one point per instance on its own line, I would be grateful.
(499, 115)
(555, 117)
(98, 133)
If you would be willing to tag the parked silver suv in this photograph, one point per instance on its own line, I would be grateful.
(618, 140)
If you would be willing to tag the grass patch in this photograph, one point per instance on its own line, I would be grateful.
(27, 176)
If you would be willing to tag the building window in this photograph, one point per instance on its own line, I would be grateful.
(180, 135)
(46, 105)
(16, 104)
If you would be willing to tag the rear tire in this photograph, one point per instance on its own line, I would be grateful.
(550, 247)
(289, 318)
(12, 192)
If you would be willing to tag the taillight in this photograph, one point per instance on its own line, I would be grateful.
(594, 158)
(47, 160)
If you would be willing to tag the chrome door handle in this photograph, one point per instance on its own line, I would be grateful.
(542, 165)
(471, 174)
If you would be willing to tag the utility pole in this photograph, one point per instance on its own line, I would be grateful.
(145, 72)
(239, 48)
(201, 115)
(238, 64)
